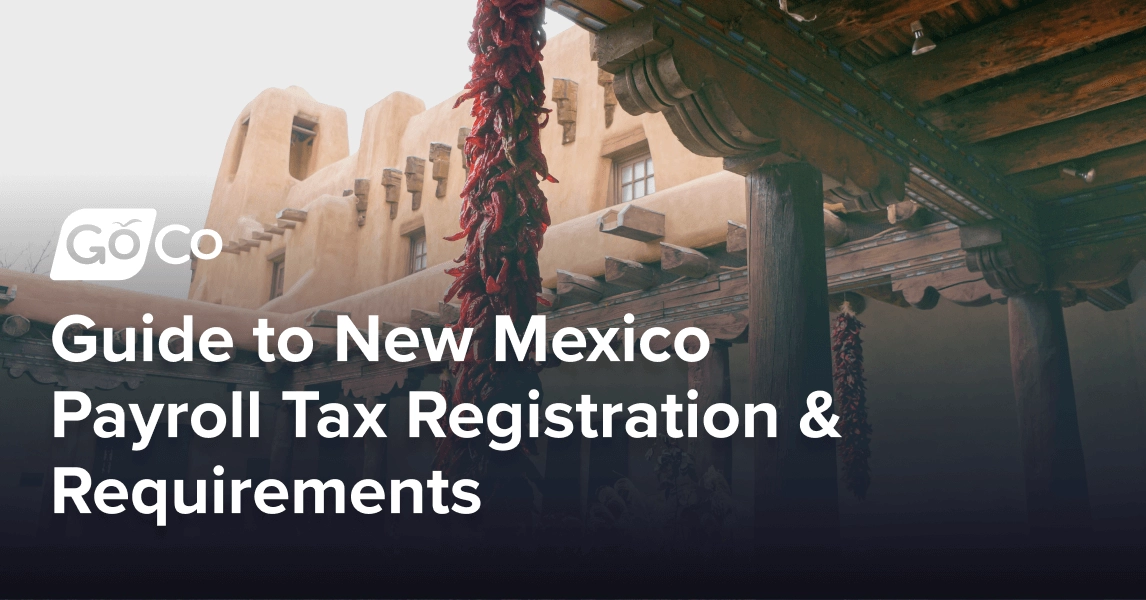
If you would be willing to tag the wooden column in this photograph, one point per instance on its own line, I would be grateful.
(1057, 498)
(282, 443)
(710, 378)
(790, 356)
(375, 449)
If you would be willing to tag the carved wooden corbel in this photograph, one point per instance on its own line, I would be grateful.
(392, 182)
(715, 109)
(605, 80)
(440, 157)
(361, 194)
(72, 379)
(1006, 263)
(565, 94)
(415, 177)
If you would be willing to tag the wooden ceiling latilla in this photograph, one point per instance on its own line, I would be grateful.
(1024, 38)
(979, 130)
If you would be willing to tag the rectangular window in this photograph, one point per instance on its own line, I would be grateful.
(304, 130)
(635, 178)
(278, 275)
(417, 251)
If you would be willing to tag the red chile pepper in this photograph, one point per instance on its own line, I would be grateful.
(504, 213)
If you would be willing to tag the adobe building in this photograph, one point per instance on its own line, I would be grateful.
(641, 224)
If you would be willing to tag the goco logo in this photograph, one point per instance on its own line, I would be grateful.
(110, 244)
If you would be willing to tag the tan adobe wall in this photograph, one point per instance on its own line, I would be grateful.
(330, 257)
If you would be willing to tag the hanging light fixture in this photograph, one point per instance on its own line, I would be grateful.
(1087, 175)
(923, 44)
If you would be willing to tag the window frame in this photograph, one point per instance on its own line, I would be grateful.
(278, 274)
(412, 263)
(629, 157)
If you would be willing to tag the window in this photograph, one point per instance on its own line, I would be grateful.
(417, 251)
(635, 178)
(302, 136)
(240, 140)
(278, 275)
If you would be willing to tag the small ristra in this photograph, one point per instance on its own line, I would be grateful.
(851, 401)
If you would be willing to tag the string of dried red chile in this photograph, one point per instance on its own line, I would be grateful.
(851, 392)
(504, 213)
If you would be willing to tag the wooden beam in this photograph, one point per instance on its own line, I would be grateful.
(1008, 44)
(274, 229)
(720, 83)
(1057, 499)
(736, 242)
(424, 318)
(262, 236)
(630, 274)
(1094, 81)
(16, 326)
(285, 223)
(292, 214)
(575, 288)
(450, 313)
(634, 222)
(1098, 131)
(845, 21)
(1110, 167)
(685, 262)
(324, 318)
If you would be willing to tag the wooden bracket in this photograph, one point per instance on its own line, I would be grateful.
(392, 182)
(565, 94)
(605, 80)
(361, 197)
(415, 176)
(1006, 263)
(440, 157)
(7, 294)
(262, 236)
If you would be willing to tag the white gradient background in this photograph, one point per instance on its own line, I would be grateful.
(129, 103)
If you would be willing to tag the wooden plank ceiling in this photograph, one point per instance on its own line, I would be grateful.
(1032, 87)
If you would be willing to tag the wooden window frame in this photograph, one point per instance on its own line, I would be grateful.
(278, 273)
(412, 262)
(619, 160)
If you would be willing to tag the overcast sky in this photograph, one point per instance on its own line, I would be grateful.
(115, 89)
(129, 103)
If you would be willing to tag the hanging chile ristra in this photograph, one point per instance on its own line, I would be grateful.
(848, 379)
(504, 213)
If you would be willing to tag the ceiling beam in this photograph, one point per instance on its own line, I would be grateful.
(1110, 167)
(845, 21)
(1008, 44)
(1072, 139)
(1088, 83)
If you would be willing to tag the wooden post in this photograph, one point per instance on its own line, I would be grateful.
(375, 450)
(1057, 498)
(710, 378)
(789, 347)
(282, 444)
